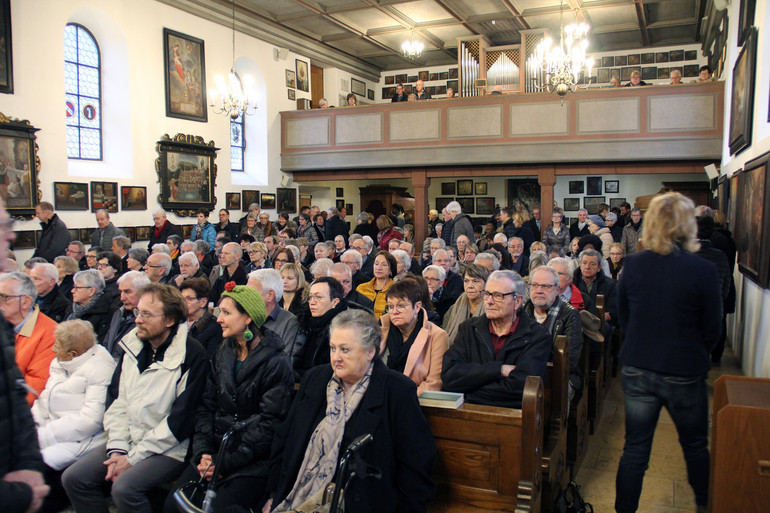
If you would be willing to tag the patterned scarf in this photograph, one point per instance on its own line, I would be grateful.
(79, 311)
(553, 315)
(320, 461)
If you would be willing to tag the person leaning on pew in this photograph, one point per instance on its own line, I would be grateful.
(494, 353)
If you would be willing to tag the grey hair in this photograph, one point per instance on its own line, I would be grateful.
(400, 254)
(188, 244)
(270, 280)
(356, 256)
(49, 270)
(159, 211)
(25, 286)
(295, 251)
(202, 246)
(76, 330)
(253, 216)
(567, 262)
(321, 267)
(363, 217)
(537, 259)
(90, 278)
(333, 211)
(165, 261)
(369, 242)
(370, 332)
(438, 269)
(191, 257)
(488, 256)
(253, 206)
(549, 270)
(583, 210)
(139, 254)
(501, 238)
(454, 206)
(161, 247)
(441, 242)
(516, 238)
(590, 253)
(340, 268)
(137, 278)
(355, 237)
(518, 285)
(123, 242)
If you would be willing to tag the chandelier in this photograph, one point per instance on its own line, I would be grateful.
(412, 47)
(229, 97)
(562, 64)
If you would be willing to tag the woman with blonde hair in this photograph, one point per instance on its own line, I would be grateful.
(670, 308)
(295, 288)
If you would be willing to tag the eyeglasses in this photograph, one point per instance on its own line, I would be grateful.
(146, 315)
(155, 266)
(79, 287)
(4, 298)
(399, 308)
(432, 279)
(543, 286)
(316, 297)
(281, 260)
(102, 266)
(498, 297)
(192, 299)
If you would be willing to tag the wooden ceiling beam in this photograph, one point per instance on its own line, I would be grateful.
(641, 18)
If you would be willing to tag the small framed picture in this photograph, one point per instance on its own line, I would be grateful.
(467, 204)
(291, 79)
(608, 62)
(661, 57)
(187, 230)
(485, 206)
(424, 75)
(464, 187)
(70, 196)
(340, 204)
(130, 232)
(676, 55)
(303, 80)
(25, 239)
(349, 207)
(286, 198)
(621, 60)
(480, 189)
(442, 202)
(370, 94)
(571, 204)
(648, 58)
(611, 186)
(358, 87)
(448, 188)
(85, 235)
(143, 232)
(616, 202)
(591, 203)
(249, 197)
(268, 201)
(340, 192)
(104, 195)
(690, 55)
(390, 79)
(233, 200)
(593, 185)
(576, 187)
(133, 198)
(292, 94)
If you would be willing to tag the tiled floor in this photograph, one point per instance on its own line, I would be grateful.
(665, 484)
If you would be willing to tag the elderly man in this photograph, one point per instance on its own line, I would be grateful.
(580, 227)
(224, 225)
(51, 302)
(558, 317)
(105, 231)
(400, 95)
(232, 270)
(353, 259)
(158, 267)
(55, 238)
(367, 261)
(33, 329)
(154, 398)
(520, 261)
(462, 243)
(269, 284)
(253, 209)
(187, 246)
(189, 267)
(354, 299)
(335, 226)
(632, 232)
(123, 320)
(202, 252)
(77, 250)
(121, 245)
(494, 353)
(420, 92)
(453, 282)
(488, 261)
(409, 248)
(162, 229)
(461, 224)
(591, 282)
(565, 268)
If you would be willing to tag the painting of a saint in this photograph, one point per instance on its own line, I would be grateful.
(185, 76)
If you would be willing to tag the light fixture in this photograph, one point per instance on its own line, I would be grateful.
(562, 64)
(230, 97)
(412, 47)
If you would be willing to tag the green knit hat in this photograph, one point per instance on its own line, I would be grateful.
(249, 299)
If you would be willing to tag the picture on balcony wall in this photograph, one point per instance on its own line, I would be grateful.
(648, 58)
(388, 92)
(591, 203)
(440, 90)
(621, 60)
(448, 188)
(370, 94)
(70, 196)
(443, 75)
(611, 186)
(249, 197)
(104, 196)
(390, 79)
(424, 75)
(453, 73)
(291, 79)
(752, 226)
(268, 201)
(691, 70)
(616, 202)
(455, 85)
(625, 73)
(185, 76)
(303, 80)
(480, 188)
(576, 187)
(292, 94)
(358, 87)
(233, 200)
(434, 76)
(442, 202)
(661, 57)
(286, 199)
(603, 75)
(571, 204)
(485, 206)
(401, 79)
(464, 187)
(664, 73)
(411, 79)
(634, 59)
(593, 185)
(133, 198)
(676, 55)
(467, 204)
(608, 62)
(742, 102)
(649, 73)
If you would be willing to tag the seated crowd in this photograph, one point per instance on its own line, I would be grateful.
(179, 362)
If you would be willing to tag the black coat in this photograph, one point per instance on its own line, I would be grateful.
(403, 97)
(99, 315)
(54, 239)
(471, 367)
(603, 285)
(403, 448)
(18, 436)
(575, 232)
(54, 304)
(65, 287)
(239, 277)
(112, 294)
(168, 229)
(208, 332)
(335, 225)
(257, 397)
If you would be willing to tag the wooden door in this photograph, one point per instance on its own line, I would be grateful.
(316, 84)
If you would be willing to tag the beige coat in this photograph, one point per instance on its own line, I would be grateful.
(423, 364)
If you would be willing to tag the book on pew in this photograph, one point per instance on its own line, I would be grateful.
(451, 400)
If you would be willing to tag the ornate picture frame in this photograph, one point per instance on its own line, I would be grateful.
(21, 188)
(187, 173)
(752, 220)
(184, 67)
(742, 102)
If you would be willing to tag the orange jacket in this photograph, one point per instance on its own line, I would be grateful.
(34, 351)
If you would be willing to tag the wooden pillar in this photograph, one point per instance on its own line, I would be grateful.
(546, 177)
(420, 182)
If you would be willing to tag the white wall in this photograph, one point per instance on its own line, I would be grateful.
(337, 85)
(749, 327)
(130, 39)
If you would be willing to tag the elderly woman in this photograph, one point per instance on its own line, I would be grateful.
(204, 230)
(616, 260)
(336, 404)
(471, 250)
(556, 235)
(89, 303)
(70, 410)
(257, 256)
(434, 276)
(384, 268)
(470, 303)
(252, 227)
(201, 325)
(597, 227)
(411, 344)
(409, 232)
(307, 230)
(250, 386)
(574, 248)
(365, 226)
(403, 262)
(295, 289)
(386, 232)
(137, 258)
(67, 267)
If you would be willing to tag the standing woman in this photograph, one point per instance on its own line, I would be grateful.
(252, 228)
(667, 347)
(556, 235)
(204, 230)
(306, 230)
(387, 231)
(250, 386)
(470, 303)
(385, 268)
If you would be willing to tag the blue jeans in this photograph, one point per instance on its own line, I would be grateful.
(686, 400)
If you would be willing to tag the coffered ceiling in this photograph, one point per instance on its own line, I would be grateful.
(365, 36)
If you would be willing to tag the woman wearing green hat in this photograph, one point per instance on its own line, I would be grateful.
(250, 385)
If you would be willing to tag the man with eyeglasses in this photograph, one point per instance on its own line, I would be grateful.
(50, 300)
(77, 250)
(343, 274)
(325, 301)
(558, 317)
(363, 248)
(189, 267)
(123, 320)
(353, 259)
(158, 267)
(151, 411)
(225, 225)
(494, 353)
(269, 284)
(232, 270)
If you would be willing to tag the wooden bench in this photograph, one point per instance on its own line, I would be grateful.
(555, 471)
(489, 458)
(577, 424)
(596, 383)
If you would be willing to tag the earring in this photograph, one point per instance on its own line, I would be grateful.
(248, 335)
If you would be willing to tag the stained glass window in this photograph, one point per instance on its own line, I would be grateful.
(82, 82)
(237, 143)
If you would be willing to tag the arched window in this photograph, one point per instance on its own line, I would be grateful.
(237, 143)
(82, 82)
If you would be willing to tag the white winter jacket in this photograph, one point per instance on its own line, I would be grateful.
(70, 411)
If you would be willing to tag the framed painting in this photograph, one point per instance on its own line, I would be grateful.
(6, 50)
(303, 80)
(74, 233)
(746, 20)
(467, 204)
(349, 207)
(292, 94)
(603, 75)
(441, 203)
(184, 66)
(480, 188)
(576, 186)
(424, 75)
(370, 94)
(340, 204)
(648, 58)
(390, 79)
(690, 55)
(691, 70)
(20, 183)
(444, 75)
(70, 196)
(591, 203)
(485, 206)
(664, 72)
(752, 224)
(616, 202)
(571, 204)
(340, 192)
(411, 79)
(621, 60)
(233, 200)
(611, 186)
(286, 198)
(130, 232)
(676, 55)
(104, 196)
(742, 102)
(661, 57)
(464, 187)
(454, 85)
(454, 73)
(268, 201)
(143, 232)
(448, 188)
(593, 185)
(187, 230)
(187, 174)
(25, 239)
(291, 79)
(358, 87)
(85, 235)
(608, 62)
(249, 197)
(634, 59)
(133, 198)
(388, 92)
(434, 76)
(401, 79)
(441, 89)
(649, 73)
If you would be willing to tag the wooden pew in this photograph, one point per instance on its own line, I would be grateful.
(596, 384)
(489, 458)
(555, 471)
(578, 425)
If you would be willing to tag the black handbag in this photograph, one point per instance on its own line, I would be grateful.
(570, 501)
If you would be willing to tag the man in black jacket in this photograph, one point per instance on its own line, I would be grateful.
(124, 320)
(494, 353)
(579, 227)
(49, 299)
(591, 281)
(55, 237)
(400, 95)
(162, 229)
(335, 226)
(233, 270)
(224, 225)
